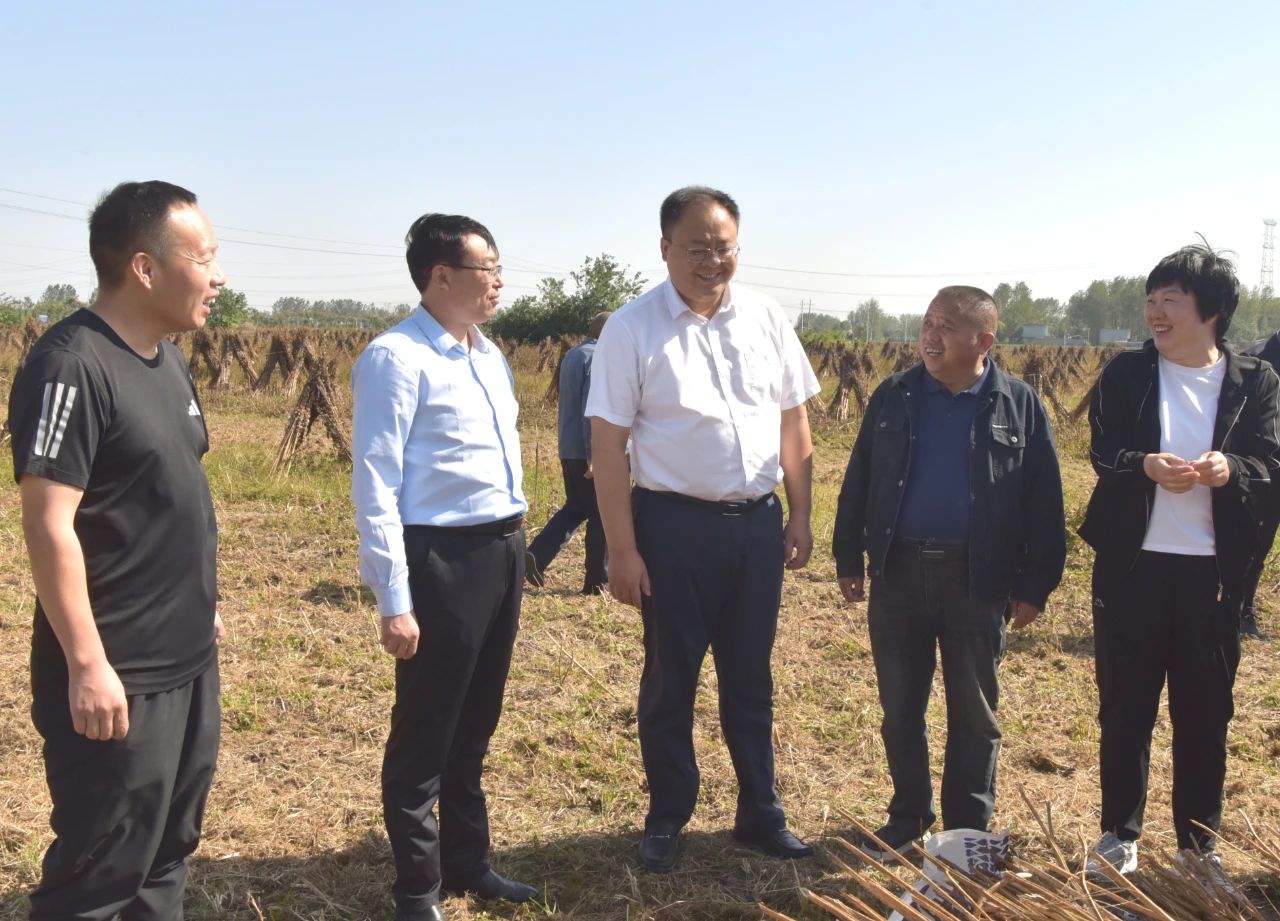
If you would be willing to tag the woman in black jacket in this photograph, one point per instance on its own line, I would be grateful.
(1185, 445)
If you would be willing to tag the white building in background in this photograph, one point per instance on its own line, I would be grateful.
(1113, 336)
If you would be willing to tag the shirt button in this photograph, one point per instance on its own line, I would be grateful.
(888, 530)
(1014, 439)
(900, 484)
(883, 424)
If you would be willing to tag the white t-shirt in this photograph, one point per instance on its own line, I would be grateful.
(703, 397)
(1183, 522)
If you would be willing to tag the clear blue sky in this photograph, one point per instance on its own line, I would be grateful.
(967, 142)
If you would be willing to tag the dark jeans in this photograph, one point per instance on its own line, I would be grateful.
(126, 812)
(1163, 618)
(579, 506)
(717, 582)
(466, 590)
(915, 608)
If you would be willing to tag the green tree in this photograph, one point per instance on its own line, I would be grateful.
(869, 322)
(229, 310)
(600, 284)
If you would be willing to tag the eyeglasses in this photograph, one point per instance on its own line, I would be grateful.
(493, 271)
(697, 254)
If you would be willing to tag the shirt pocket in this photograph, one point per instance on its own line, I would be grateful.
(1007, 445)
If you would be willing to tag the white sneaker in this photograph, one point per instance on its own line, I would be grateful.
(1123, 855)
(1206, 867)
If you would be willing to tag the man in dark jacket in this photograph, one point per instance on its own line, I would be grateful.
(1185, 445)
(1269, 351)
(953, 493)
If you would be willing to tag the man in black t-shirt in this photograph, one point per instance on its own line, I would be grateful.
(108, 436)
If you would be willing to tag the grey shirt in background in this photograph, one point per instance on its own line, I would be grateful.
(575, 382)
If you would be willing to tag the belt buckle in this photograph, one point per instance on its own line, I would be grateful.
(932, 553)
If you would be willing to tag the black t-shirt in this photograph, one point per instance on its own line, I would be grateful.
(87, 411)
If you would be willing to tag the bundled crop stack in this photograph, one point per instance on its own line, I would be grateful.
(1166, 889)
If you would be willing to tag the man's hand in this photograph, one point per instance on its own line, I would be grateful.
(797, 543)
(219, 631)
(1170, 472)
(851, 588)
(628, 577)
(1212, 468)
(99, 709)
(1022, 613)
(400, 635)
(590, 473)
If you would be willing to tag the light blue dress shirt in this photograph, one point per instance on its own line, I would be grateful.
(434, 443)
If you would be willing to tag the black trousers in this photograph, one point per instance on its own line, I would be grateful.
(579, 506)
(919, 607)
(466, 590)
(126, 812)
(717, 582)
(1162, 618)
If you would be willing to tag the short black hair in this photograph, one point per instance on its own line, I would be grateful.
(440, 239)
(1207, 275)
(132, 218)
(675, 204)
(975, 304)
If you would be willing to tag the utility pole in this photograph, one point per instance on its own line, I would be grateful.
(1268, 257)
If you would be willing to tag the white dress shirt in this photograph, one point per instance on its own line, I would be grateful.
(434, 443)
(1183, 522)
(703, 397)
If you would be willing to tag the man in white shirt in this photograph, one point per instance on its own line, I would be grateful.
(439, 506)
(1186, 448)
(709, 382)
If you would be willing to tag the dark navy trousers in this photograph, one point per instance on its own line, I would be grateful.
(716, 582)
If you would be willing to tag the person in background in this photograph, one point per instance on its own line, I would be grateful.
(1269, 351)
(575, 465)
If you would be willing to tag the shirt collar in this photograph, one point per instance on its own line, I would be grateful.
(676, 304)
(441, 339)
(933, 385)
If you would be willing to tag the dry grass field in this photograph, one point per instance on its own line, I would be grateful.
(294, 829)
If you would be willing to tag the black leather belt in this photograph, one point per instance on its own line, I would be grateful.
(726, 507)
(502, 528)
(933, 551)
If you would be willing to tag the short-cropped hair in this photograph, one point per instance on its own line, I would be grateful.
(1207, 275)
(675, 205)
(132, 218)
(440, 239)
(974, 304)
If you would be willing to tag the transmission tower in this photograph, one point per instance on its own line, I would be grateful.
(1268, 256)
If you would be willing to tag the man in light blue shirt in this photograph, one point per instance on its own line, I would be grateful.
(439, 505)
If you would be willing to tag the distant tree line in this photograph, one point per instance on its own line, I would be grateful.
(1114, 304)
(564, 307)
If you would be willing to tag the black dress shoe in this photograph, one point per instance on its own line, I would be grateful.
(777, 843)
(491, 887)
(658, 849)
(430, 913)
